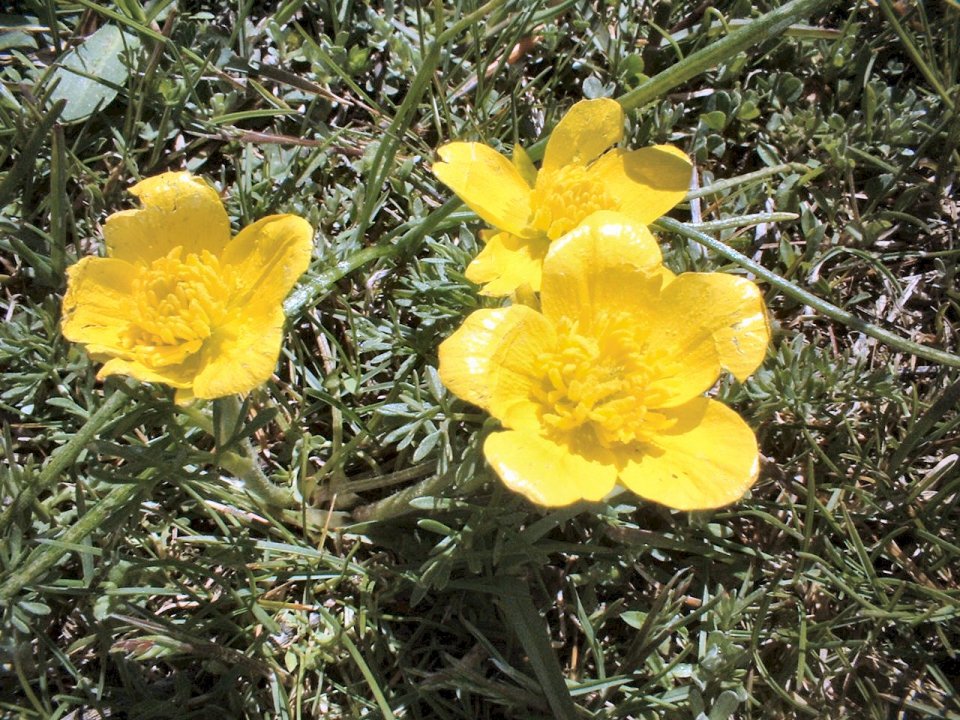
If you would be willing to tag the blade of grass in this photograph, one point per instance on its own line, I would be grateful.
(763, 28)
(383, 160)
(522, 617)
(921, 428)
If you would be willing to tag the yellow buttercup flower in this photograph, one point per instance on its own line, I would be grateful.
(177, 300)
(529, 209)
(606, 382)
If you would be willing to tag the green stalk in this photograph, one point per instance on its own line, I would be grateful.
(728, 183)
(399, 503)
(763, 28)
(801, 295)
(245, 465)
(311, 291)
(62, 458)
(46, 556)
(383, 160)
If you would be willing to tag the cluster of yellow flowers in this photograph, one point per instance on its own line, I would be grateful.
(602, 382)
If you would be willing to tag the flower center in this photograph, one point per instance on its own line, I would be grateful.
(178, 303)
(601, 383)
(565, 197)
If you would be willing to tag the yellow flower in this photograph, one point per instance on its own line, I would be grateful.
(177, 300)
(606, 383)
(531, 209)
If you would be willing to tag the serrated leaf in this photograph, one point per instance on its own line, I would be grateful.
(90, 75)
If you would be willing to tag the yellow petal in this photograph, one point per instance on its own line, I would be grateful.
(507, 262)
(184, 396)
(586, 131)
(242, 355)
(708, 459)
(727, 308)
(97, 305)
(524, 165)
(608, 264)
(646, 182)
(178, 376)
(680, 370)
(269, 256)
(550, 471)
(179, 210)
(492, 361)
(488, 183)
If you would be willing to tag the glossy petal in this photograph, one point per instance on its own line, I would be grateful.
(179, 210)
(507, 262)
(269, 256)
(647, 182)
(608, 264)
(524, 165)
(709, 458)
(728, 308)
(96, 307)
(242, 355)
(492, 361)
(586, 131)
(488, 183)
(548, 471)
(177, 376)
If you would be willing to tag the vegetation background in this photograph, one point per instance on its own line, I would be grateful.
(830, 592)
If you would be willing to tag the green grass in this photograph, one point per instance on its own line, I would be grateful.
(139, 582)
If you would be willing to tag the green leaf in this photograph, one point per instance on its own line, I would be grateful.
(521, 614)
(714, 120)
(724, 706)
(90, 75)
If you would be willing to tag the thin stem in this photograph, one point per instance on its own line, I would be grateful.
(46, 556)
(383, 160)
(763, 28)
(63, 457)
(399, 503)
(914, 54)
(801, 295)
(729, 183)
(310, 292)
(247, 468)
(744, 221)
(245, 465)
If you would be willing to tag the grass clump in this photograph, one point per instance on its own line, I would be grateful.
(831, 591)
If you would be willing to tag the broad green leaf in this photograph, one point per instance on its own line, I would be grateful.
(90, 75)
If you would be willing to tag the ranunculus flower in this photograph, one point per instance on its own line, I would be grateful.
(530, 209)
(606, 383)
(177, 300)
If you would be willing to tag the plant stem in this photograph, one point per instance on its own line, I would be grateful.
(763, 28)
(245, 465)
(63, 457)
(801, 295)
(247, 468)
(399, 503)
(46, 556)
(383, 160)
